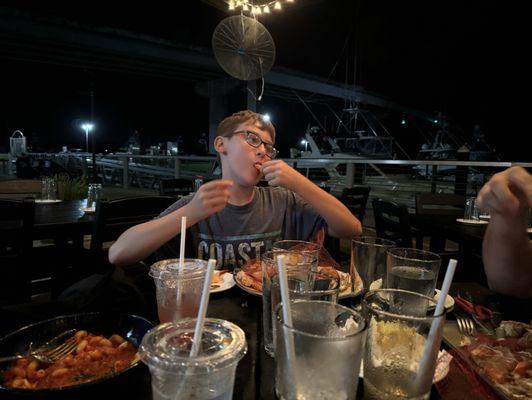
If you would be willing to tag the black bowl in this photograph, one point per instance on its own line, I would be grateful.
(130, 327)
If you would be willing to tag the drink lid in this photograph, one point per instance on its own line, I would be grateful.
(167, 346)
(169, 269)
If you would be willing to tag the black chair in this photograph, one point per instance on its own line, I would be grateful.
(356, 199)
(175, 187)
(440, 204)
(392, 222)
(16, 224)
(113, 217)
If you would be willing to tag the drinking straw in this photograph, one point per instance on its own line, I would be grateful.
(204, 302)
(182, 245)
(287, 318)
(423, 375)
(200, 322)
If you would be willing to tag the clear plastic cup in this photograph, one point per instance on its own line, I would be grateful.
(208, 376)
(328, 342)
(178, 294)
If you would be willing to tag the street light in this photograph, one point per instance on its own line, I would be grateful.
(87, 127)
(304, 143)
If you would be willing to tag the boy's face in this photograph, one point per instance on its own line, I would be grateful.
(241, 162)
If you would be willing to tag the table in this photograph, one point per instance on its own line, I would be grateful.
(63, 219)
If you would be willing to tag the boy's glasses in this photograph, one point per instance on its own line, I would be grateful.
(255, 141)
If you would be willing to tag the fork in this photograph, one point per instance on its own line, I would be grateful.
(47, 353)
(466, 326)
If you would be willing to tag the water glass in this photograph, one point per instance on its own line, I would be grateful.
(298, 253)
(94, 194)
(400, 360)
(302, 283)
(471, 211)
(318, 357)
(48, 189)
(413, 270)
(368, 260)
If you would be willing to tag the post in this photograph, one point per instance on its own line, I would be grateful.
(349, 175)
(177, 167)
(125, 177)
(433, 179)
(93, 140)
(252, 95)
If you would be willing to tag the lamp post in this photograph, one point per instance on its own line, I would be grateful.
(87, 127)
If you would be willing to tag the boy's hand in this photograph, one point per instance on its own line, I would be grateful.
(209, 199)
(279, 173)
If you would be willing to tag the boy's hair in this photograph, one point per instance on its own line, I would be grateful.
(229, 124)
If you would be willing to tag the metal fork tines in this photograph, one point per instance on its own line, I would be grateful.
(59, 352)
(466, 325)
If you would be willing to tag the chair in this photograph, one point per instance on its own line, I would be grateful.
(440, 203)
(356, 199)
(392, 222)
(175, 187)
(16, 224)
(113, 217)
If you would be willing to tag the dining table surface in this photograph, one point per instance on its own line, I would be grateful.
(255, 374)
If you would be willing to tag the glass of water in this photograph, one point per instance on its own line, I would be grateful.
(413, 270)
(368, 259)
(327, 342)
(471, 212)
(94, 194)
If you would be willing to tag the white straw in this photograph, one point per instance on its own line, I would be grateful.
(182, 245)
(287, 318)
(204, 302)
(423, 375)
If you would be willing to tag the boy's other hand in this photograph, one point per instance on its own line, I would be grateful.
(210, 198)
(279, 173)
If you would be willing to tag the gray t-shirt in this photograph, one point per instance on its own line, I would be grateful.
(239, 233)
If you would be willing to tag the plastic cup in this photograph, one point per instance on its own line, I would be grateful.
(399, 326)
(328, 346)
(178, 294)
(208, 376)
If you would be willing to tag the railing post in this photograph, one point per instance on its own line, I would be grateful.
(350, 175)
(177, 167)
(125, 177)
(434, 179)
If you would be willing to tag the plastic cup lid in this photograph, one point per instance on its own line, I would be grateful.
(167, 346)
(169, 269)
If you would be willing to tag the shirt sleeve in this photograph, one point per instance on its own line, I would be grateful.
(302, 221)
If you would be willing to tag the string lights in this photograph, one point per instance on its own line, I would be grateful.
(257, 7)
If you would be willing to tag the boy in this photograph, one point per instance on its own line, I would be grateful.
(231, 219)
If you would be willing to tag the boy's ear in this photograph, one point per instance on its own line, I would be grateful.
(219, 145)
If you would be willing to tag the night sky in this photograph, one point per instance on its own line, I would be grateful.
(459, 57)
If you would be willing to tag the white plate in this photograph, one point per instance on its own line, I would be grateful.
(449, 301)
(349, 292)
(87, 209)
(43, 201)
(227, 283)
(472, 221)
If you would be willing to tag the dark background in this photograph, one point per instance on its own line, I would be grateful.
(464, 58)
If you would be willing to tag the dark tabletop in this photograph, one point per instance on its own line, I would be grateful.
(63, 218)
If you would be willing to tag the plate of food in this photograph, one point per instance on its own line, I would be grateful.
(222, 280)
(503, 361)
(105, 352)
(249, 279)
